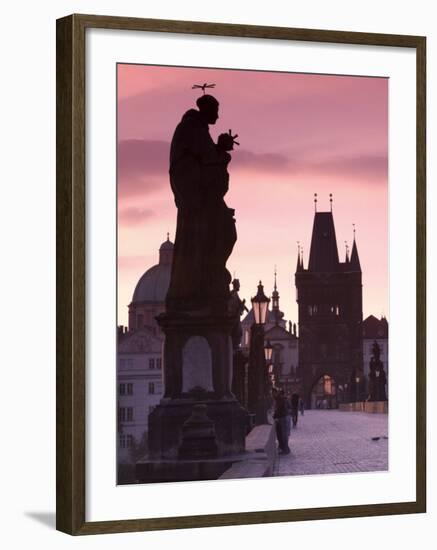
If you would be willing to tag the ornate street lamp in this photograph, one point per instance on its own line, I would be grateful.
(257, 358)
(260, 304)
(268, 351)
(357, 380)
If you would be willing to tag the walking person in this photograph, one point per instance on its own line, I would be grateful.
(280, 418)
(294, 408)
(288, 409)
(301, 406)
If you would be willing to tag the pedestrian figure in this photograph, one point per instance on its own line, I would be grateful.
(301, 406)
(288, 407)
(294, 408)
(280, 418)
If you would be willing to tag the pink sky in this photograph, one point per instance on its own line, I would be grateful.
(300, 134)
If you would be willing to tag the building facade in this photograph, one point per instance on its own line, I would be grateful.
(329, 298)
(139, 356)
(139, 377)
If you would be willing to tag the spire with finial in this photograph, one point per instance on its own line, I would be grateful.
(347, 252)
(355, 260)
(315, 202)
(299, 264)
(275, 301)
(330, 200)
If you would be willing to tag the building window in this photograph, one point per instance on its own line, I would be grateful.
(122, 389)
(151, 387)
(151, 363)
(130, 363)
(140, 321)
(126, 441)
(130, 389)
(125, 414)
(159, 363)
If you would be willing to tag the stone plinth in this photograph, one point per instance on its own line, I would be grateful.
(197, 371)
(167, 419)
(198, 436)
(258, 460)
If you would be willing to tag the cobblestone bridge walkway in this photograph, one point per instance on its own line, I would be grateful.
(329, 441)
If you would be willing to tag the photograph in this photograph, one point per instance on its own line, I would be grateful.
(252, 274)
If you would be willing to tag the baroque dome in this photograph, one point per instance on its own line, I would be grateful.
(153, 284)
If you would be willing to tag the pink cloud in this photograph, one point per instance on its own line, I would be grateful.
(134, 216)
(143, 164)
(299, 134)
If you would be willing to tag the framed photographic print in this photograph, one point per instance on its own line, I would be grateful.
(240, 274)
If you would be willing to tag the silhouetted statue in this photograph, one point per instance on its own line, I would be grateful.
(237, 307)
(377, 376)
(205, 233)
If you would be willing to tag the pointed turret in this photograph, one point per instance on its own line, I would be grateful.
(354, 264)
(299, 264)
(323, 252)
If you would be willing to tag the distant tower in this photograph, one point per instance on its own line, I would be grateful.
(329, 297)
(277, 314)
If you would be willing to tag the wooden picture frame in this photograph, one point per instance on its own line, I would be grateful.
(71, 253)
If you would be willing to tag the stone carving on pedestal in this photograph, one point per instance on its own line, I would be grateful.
(196, 365)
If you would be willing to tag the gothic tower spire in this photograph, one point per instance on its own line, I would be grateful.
(299, 263)
(275, 302)
(355, 260)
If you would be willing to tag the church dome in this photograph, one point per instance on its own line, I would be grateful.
(154, 283)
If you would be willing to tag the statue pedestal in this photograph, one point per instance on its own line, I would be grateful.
(197, 371)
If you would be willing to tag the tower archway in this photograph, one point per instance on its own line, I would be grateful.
(324, 393)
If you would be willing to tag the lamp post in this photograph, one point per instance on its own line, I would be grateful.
(257, 358)
(268, 352)
(357, 382)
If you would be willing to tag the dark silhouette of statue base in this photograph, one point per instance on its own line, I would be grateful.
(199, 319)
(377, 376)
